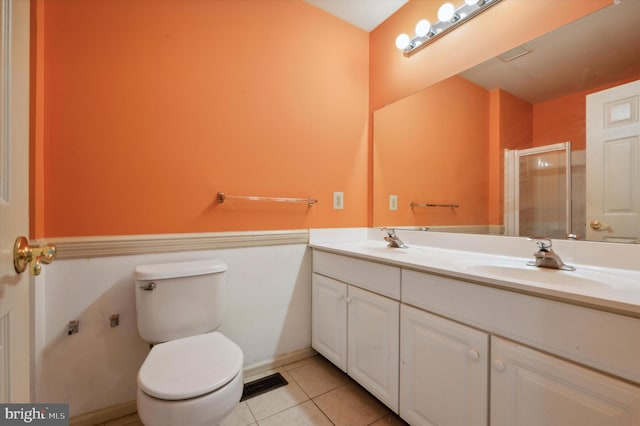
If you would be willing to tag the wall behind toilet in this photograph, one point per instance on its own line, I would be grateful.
(267, 315)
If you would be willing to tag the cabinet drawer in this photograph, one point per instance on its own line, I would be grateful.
(602, 340)
(376, 277)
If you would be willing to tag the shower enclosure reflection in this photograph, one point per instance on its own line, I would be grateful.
(537, 191)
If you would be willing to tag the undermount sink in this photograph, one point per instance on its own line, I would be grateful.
(583, 279)
(525, 272)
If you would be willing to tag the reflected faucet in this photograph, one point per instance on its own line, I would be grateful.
(546, 257)
(393, 239)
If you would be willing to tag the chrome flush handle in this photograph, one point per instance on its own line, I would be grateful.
(148, 287)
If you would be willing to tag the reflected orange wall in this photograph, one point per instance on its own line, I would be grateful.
(511, 124)
(445, 144)
(424, 153)
(394, 76)
(149, 108)
(563, 119)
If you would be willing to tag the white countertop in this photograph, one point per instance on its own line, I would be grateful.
(616, 290)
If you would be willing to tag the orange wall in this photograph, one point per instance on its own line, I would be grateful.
(149, 108)
(422, 153)
(144, 110)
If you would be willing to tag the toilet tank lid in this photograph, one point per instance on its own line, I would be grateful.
(179, 269)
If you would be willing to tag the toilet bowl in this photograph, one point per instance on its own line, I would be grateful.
(193, 374)
(194, 381)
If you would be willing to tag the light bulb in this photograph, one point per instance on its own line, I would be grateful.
(423, 28)
(471, 2)
(446, 12)
(402, 41)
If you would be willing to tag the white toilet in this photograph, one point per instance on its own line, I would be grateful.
(193, 374)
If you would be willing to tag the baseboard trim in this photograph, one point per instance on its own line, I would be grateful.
(116, 411)
(104, 415)
(125, 245)
(279, 361)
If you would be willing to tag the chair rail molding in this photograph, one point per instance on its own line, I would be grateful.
(124, 245)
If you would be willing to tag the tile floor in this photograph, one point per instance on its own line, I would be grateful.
(318, 393)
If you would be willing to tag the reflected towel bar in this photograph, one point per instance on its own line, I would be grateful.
(453, 206)
(222, 197)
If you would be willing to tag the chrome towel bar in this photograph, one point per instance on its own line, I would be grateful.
(222, 197)
(453, 206)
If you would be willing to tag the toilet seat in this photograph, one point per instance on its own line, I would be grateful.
(190, 367)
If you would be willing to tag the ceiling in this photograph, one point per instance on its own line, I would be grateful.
(588, 53)
(366, 14)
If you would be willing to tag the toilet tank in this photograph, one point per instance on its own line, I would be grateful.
(175, 300)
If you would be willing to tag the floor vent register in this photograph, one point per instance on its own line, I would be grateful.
(263, 385)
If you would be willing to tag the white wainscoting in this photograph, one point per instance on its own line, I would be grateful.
(268, 311)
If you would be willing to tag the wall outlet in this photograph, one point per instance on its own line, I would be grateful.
(338, 200)
(393, 202)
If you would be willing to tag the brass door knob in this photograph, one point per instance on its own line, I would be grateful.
(35, 256)
(596, 225)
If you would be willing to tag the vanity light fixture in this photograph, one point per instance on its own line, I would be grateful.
(449, 18)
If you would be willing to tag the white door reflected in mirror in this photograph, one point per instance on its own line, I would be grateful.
(613, 164)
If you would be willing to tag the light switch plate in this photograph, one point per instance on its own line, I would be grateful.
(338, 200)
(393, 202)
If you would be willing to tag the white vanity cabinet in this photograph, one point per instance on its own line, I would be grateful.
(443, 371)
(356, 321)
(531, 388)
(533, 385)
(445, 351)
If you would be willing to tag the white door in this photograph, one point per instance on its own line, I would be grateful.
(443, 371)
(530, 388)
(373, 327)
(329, 319)
(15, 312)
(613, 164)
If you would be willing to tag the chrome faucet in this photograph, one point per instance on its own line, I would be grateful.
(393, 239)
(546, 257)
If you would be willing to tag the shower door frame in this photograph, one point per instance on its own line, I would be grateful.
(512, 184)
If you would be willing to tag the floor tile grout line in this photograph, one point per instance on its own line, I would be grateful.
(298, 384)
(253, 416)
(348, 379)
(331, 390)
(326, 416)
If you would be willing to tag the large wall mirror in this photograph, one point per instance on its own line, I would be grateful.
(506, 147)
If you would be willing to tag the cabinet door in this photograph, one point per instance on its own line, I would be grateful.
(530, 388)
(373, 328)
(329, 319)
(443, 371)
